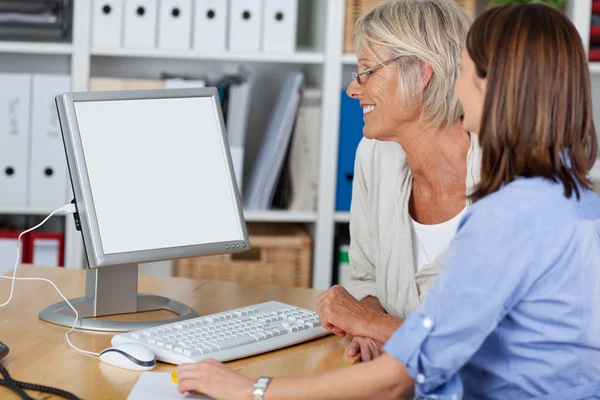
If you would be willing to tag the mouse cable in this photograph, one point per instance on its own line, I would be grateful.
(66, 209)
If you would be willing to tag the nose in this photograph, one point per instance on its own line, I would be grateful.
(354, 90)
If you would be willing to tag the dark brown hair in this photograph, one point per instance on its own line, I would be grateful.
(537, 113)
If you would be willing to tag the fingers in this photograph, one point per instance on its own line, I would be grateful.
(333, 329)
(338, 331)
(377, 350)
(189, 385)
(365, 351)
(192, 376)
(354, 348)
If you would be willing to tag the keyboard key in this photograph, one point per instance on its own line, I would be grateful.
(212, 347)
(239, 341)
(149, 333)
(178, 350)
(135, 335)
(206, 349)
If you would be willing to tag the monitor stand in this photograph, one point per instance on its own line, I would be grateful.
(109, 291)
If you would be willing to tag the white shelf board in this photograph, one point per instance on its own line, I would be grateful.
(594, 67)
(349, 58)
(36, 48)
(26, 210)
(298, 57)
(342, 217)
(280, 216)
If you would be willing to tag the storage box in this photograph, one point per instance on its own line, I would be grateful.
(356, 8)
(280, 255)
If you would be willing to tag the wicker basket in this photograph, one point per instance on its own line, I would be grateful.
(356, 8)
(280, 255)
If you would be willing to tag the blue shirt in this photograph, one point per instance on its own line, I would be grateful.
(515, 310)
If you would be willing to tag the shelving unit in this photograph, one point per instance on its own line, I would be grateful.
(349, 59)
(281, 216)
(299, 57)
(343, 217)
(321, 58)
(36, 48)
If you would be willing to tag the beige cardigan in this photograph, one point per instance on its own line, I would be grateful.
(381, 252)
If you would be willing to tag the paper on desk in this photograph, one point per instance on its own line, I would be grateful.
(158, 386)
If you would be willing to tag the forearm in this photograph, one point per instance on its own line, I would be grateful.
(373, 303)
(378, 326)
(383, 378)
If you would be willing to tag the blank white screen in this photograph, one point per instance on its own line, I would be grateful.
(158, 173)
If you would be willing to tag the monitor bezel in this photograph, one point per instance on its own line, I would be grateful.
(80, 183)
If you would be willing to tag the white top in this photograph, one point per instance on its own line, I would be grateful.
(381, 250)
(430, 240)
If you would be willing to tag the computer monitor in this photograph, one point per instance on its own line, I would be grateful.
(153, 180)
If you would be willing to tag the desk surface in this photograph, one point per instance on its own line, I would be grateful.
(40, 354)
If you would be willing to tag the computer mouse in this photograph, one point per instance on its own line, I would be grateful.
(134, 356)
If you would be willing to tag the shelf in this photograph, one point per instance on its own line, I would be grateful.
(349, 59)
(27, 210)
(594, 67)
(342, 217)
(36, 48)
(298, 57)
(280, 216)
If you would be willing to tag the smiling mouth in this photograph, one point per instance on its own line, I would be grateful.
(368, 109)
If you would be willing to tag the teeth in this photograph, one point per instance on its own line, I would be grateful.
(368, 109)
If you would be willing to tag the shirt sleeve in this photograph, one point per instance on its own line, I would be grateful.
(361, 253)
(481, 278)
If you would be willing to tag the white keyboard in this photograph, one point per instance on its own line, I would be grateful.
(229, 335)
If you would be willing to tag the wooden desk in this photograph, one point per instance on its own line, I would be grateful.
(40, 354)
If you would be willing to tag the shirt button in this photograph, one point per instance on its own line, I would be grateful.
(427, 323)
(420, 378)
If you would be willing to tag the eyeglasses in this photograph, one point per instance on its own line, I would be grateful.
(369, 71)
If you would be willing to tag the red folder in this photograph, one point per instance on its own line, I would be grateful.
(46, 249)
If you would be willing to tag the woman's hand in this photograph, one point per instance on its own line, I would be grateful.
(341, 313)
(214, 379)
(368, 348)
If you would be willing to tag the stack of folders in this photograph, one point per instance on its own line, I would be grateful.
(304, 152)
(234, 92)
(33, 167)
(39, 20)
(40, 248)
(201, 25)
(350, 135)
(271, 156)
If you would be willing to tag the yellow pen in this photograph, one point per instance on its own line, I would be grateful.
(176, 381)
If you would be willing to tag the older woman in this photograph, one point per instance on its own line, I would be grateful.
(514, 312)
(416, 164)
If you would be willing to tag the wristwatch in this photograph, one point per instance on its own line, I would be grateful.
(260, 386)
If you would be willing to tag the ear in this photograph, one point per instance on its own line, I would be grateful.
(481, 84)
(426, 72)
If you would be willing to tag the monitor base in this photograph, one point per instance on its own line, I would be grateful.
(111, 291)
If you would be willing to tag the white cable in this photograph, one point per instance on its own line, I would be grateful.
(66, 209)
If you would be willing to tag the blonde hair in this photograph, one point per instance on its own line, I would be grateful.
(429, 31)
